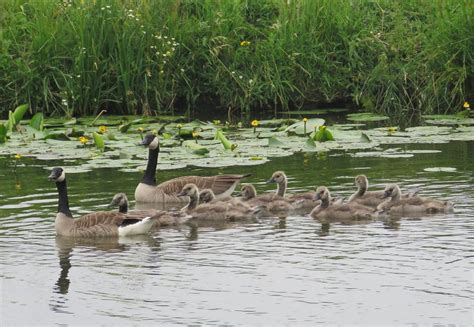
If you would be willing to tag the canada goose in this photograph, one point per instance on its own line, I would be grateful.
(273, 203)
(327, 211)
(97, 224)
(148, 191)
(370, 198)
(396, 203)
(162, 217)
(215, 210)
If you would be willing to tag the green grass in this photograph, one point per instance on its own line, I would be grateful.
(400, 58)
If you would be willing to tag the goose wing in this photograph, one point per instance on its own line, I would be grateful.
(113, 218)
(218, 184)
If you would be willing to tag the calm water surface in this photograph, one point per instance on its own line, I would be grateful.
(293, 271)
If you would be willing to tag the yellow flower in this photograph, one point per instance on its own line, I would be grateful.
(322, 127)
(216, 122)
(83, 139)
(195, 134)
(244, 43)
(102, 129)
(305, 119)
(179, 126)
(392, 129)
(140, 129)
(17, 156)
(466, 105)
(255, 123)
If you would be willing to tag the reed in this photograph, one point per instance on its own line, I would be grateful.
(76, 58)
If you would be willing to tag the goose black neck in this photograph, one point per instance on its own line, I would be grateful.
(63, 202)
(149, 177)
(123, 208)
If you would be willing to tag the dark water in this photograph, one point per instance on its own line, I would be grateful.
(293, 271)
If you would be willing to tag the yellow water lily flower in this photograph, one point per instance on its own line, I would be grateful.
(83, 140)
(255, 123)
(216, 122)
(305, 119)
(244, 43)
(179, 126)
(140, 129)
(102, 129)
(466, 105)
(392, 129)
(195, 134)
(17, 156)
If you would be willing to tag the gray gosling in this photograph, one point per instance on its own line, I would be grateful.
(166, 192)
(396, 203)
(96, 224)
(163, 218)
(327, 212)
(215, 210)
(273, 204)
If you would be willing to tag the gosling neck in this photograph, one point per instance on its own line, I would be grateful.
(193, 202)
(396, 196)
(63, 200)
(361, 189)
(281, 189)
(150, 173)
(325, 202)
(123, 208)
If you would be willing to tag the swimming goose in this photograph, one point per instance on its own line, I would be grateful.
(370, 198)
(148, 191)
(273, 203)
(162, 217)
(96, 224)
(396, 203)
(216, 210)
(327, 211)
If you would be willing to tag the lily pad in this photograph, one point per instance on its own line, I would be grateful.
(195, 147)
(275, 142)
(299, 127)
(98, 141)
(37, 121)
(366, 116)
(440, 169)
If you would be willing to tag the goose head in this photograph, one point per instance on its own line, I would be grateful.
(190, 190)
(391, 191)
(322, 193)
(362, 182)
(119, 200)
(248, 191)
(278, 177)
(151, 141)
(206, 195)
(57, 175)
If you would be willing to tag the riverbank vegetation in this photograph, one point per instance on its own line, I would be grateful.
(76, 58)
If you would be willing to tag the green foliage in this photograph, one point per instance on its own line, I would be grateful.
(399, 58)
(99, 141)
(37, 121)
(322, 134)
(3, 133)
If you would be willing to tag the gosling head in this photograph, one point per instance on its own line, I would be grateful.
(392, 191)
(57, 175)
(206, 195)
(151, 141)
(361, 181)
(119, 200)
(190, 190)
(277, 177)
(322, 193)
(248, 191)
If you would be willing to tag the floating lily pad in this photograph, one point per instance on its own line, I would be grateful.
(366, 116)
(440, 169)
(299, 127)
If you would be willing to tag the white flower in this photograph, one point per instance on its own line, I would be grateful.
(78, 76)
(241, 77)
(182, 70)
(232, 72)
(250, 81)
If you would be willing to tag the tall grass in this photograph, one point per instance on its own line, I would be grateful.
(402, 58)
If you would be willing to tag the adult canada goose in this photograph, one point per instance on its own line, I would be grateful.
(162, 217)
(216, 210)
(148, 191)
(273, 203)
(327, 211)
(96, 224)
(395, 203)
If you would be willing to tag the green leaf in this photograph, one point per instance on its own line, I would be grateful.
(37, 121)
(10, 122)
(323, 134)
(99, 141)
(195, 147)
(3, 133)
(19, 113)
(57, 136)
(311, 124)
(366, 116)
(364, 138)
(310, 143)
(274, 142)
(124, 128)
(225, 142)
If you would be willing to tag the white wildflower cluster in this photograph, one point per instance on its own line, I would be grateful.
(164, 48)
(132, 14)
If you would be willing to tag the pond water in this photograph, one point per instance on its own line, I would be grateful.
(289, 271)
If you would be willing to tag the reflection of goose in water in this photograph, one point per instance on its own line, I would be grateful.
(66, 246)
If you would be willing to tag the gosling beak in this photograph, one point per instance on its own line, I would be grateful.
(317, 197)
(271, 180)
(385, 195)
(181, 193)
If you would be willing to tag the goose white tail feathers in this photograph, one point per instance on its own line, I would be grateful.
(138, 228)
